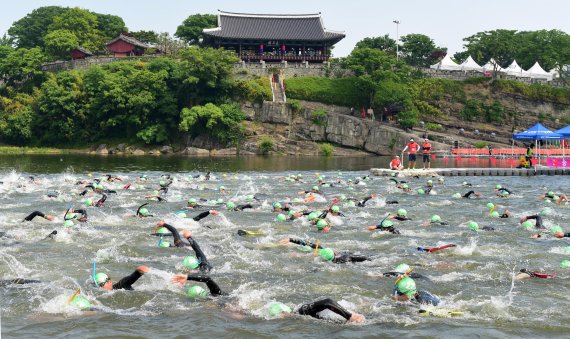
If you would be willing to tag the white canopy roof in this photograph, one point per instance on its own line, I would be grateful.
(490, 66)
(446, 64)
(538, 72)
(516, 70)
(470, 65)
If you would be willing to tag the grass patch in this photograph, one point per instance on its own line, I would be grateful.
(346, 92)
(32, 150)
(327, 150)
(266, 144)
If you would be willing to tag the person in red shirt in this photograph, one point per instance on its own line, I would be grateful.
(426, 149)
(396, 164)
(413, 150)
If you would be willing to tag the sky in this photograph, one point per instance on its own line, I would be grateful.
(446, 22)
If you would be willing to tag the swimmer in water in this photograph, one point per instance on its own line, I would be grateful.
(384, 226)
(401, 270)
(276, 310)
(435, 221)
(178, 242)
(405, 289)
(231, 206)
(327, 254)
(468, 194)
(34, 214)
(104, 281)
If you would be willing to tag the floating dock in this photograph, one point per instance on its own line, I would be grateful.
(464, 172)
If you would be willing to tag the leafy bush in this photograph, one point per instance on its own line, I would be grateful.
(265, 144)
(327, 150)
(256, 90)
(534, 91)
(223, 122)
(319, 117)
(480, 144)
(347, 92)
(471, 110)
(434, 127)
(476, 80)
(495, 112)
(296, 106)
(408, 118)
(154, 134)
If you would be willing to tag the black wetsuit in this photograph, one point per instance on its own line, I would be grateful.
(82, 218)
(17, 281)
(424, 297)
(501, 190)
(127, 282)
(201, 216)
(338, 259)
(204, 265)
(215, 290)
(468, 194)
(242, 207)
(389, 229)
(412, 275)
(33, 215)
(538, 219)
(101, 201)
(315, 307)
(402, 218)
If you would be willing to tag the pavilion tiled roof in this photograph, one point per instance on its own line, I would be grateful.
(129, 39)
(300, 27)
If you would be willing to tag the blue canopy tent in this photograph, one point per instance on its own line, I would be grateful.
(565, 132)
(537, 132)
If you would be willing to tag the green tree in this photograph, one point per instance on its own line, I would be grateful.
(6, 41)
(167, 45)
(383, 43)
(60, 43)
(206, 75)
(191, 29)
(223, 122)
(22, 67)
(110, 26)
(501, 44)
(148, 37)
(418, 50)
(29, 31)
(16, 118)
(83, 24)
(549, 47)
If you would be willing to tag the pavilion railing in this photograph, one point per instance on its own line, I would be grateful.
(283, 57)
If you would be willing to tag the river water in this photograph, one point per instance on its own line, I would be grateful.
(475, 277)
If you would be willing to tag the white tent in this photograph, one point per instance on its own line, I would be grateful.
(538, 73)
(490, 66)
(554, 73)
(516, 70)
(446, 64)
(470, 65)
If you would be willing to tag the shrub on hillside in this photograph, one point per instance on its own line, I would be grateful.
(342, 91)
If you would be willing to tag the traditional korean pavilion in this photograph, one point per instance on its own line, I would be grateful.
(272, 37)
(125, 45)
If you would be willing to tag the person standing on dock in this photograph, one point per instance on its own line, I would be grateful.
(426, 151)
(413, 147)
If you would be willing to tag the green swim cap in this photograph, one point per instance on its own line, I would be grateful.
(312, 216)
(322, 224)
(554, 198)
(163, 243)
(567, 248)
(405, 186)
(81, 302)
(430, 182)
(556, 229)
(68, 223)
(192, 201)
(222, 188)
(342, 197)
(387, 223)
(545, 211)
(335, 209)
(276, 309)
(327, 254)
(351, 203)
(162, 230)
(230, 205)
(181, 214)
(88, 202)
(527, 224)
(144, 212)
(490, 205)
(421, 191)
(220, 201)
(456, 195)
(440, 179)
(464, 183)
(70, 216)
(565, 263)
(277, 205)
(281, 217)
(504, 193)
(291, 213)
(402, 212)
(550, 193)
(316, 188)
(297, 200)
(547, 201)
(326, 185)
(402, 268)
(435, 218)
(101, 278)
(190, 262)
(407, 286)
(162, 183)
(196, 291)
(473, 226)
(495, 214)
(249, 197)
(498, 186)
(155, 192)
(393, 174)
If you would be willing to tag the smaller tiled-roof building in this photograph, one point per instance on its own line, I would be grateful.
(125, 45)
(80, 53)
(273, 37)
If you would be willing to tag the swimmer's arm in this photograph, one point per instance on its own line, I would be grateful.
(215, 290)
